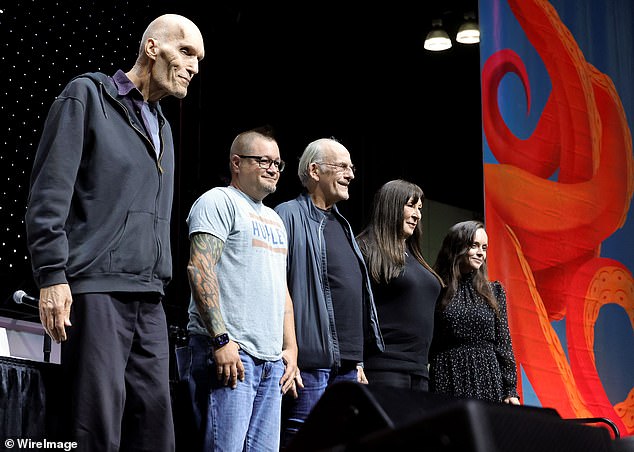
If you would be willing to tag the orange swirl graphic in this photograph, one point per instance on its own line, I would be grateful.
(547, 234)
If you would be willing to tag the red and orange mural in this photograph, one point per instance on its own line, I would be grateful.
(551, 200)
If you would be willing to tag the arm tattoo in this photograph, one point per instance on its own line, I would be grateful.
(205, 252)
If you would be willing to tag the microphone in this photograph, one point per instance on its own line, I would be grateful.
(21, 297)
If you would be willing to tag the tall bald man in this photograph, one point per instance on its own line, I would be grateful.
(99, 237)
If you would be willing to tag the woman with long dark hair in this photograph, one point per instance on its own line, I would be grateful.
(471, 354)
(405, 287)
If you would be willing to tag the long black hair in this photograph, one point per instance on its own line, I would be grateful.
(381, 241)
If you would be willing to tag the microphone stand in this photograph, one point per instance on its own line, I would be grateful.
(46, 345)
(46, 348)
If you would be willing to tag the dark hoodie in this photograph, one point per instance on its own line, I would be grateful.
(100, 201)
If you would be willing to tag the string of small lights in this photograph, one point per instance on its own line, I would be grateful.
(42, 46)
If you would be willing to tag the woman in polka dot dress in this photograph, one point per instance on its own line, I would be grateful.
(471, 354)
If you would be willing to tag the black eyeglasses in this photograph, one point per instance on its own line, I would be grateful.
(264, 162)
(341, 167)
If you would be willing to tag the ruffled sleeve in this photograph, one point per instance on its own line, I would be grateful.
(504, 345)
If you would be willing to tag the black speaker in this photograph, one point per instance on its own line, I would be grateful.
(356, 417)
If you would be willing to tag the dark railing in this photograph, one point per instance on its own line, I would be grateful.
(598, 420)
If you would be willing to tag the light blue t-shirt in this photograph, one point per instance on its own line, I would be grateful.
(251, 270)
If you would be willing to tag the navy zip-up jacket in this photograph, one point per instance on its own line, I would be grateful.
(308, 285)
(100, 201)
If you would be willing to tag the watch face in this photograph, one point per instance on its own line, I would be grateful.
(221, 339)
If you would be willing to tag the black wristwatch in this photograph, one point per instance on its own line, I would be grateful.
(220, 341)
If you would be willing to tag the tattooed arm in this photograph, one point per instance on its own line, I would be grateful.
(204, 254)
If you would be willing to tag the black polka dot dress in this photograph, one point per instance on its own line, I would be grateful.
(472, 354)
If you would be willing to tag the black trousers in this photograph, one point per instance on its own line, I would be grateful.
(397, 379)
(115, 364)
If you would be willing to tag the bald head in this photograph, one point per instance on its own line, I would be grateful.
(171, 48)
(170, 26)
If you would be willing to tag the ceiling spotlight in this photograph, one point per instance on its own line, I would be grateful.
(437, 39)
(469, 32)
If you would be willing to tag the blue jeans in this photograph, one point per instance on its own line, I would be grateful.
(243, 419)
(316, 381)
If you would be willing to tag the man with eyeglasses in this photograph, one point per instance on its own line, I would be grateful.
(334, 308)
(243, 352)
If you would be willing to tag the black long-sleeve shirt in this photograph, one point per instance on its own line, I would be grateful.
(405, 308)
